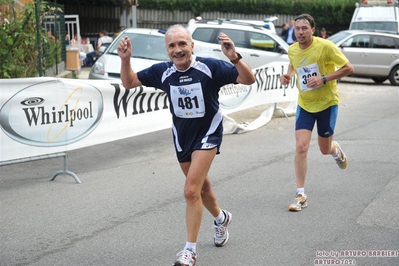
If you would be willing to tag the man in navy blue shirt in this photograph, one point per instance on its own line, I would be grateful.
(289, 34)
(192, 84)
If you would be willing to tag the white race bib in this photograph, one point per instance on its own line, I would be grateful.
(188, 100)
(306, 72)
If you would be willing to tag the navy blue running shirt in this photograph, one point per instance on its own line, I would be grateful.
(193, 98)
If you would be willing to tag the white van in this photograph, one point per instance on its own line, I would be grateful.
(377, 15)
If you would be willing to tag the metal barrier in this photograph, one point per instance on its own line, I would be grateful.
(46, 156)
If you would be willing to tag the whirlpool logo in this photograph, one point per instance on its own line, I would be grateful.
(52, 113)
(233, 95)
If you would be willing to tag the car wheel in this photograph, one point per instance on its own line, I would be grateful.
(379, 80)
(394, 76)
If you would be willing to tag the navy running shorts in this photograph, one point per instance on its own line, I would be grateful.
(209, 143)
(325, 120)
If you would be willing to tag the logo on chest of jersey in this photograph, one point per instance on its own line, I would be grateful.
(185, 79)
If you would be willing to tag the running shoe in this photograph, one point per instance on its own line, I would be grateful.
(341, 160)
(221, 233)
(186, 257)
(299, 203)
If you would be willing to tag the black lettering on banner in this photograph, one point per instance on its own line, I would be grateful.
(139, 99)
(40, 116)
(269, 79)
(259, 79)
(124, 100)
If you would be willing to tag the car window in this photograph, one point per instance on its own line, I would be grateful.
(382, 42)
(237, 36)
(262, 42)
(144, 46)
(385, 26)
(203, 35)
(360, 41)
(338, 36)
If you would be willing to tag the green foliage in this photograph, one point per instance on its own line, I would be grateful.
(52, 50)
(324, 11)
(96, 2)
(19, 50)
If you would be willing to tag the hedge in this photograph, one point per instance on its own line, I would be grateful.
(325, 12)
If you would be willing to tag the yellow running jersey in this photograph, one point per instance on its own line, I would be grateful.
(320, 58)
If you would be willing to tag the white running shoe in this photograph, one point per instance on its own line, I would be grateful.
(341, 160)
(221, 233)
(299, 203)
(186, 257)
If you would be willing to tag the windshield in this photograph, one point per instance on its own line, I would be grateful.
(144, 46)
(383, 26)
(338, 36)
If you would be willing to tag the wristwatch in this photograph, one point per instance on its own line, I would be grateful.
(324, 78)
(235, 61)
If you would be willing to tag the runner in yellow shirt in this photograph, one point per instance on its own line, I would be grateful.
(318, 63)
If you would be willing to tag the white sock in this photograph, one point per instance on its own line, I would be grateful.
(301, 191)
(191, 245)
(220, 218)
(335, 154)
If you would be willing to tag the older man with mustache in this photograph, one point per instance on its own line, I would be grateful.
(192, 85)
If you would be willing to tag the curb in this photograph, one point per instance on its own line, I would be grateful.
(65, 74)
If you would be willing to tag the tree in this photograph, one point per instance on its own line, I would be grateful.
(20, 49)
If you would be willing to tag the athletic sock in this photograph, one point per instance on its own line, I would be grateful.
(301, 191)
(191, 245)
(335, 155)
(220, 218)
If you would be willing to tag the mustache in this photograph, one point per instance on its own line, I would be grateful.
(179, 54)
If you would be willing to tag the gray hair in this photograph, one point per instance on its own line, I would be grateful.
(181, 28)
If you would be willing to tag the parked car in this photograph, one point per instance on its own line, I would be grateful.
(256, 44)
(265, 23)
(148, 49)
(373, 54)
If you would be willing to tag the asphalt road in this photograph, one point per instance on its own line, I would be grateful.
(129, 209)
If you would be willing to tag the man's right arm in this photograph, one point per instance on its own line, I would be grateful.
(128, 76)
(285, 78)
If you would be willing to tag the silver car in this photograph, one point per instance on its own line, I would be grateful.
(374, 55)
(256, 44)
(148, 49)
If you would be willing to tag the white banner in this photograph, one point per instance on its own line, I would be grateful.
(48, 115)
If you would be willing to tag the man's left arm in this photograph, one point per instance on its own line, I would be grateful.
(338, 59)
(346, 70)
(317, 81)
(245, 75)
